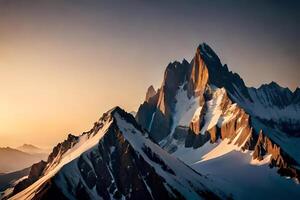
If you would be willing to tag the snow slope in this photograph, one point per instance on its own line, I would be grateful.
(237, 173)
(177, 176)
(214, 111)
(185, 108)
(84, 144)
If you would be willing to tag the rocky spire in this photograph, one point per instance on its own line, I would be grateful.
(150, 93)
(198, 77)
(174, 77)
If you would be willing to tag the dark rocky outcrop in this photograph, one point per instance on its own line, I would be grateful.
(196, 140)
(6, 180)
(50, 191)
(61, 148)
(160, 127)
(265, 146)
(35, 173)
(146, 110)
(174, 77)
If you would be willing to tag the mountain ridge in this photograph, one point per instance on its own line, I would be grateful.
(14, 159)
(155, 173)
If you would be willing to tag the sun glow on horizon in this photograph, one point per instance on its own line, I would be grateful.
(62, 64)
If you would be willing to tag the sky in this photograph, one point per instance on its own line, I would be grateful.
(65, 62)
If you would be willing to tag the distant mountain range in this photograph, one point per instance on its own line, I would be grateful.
(20, 158)
(202, 135)
(31, 149)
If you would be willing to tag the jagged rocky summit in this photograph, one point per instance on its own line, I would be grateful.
(202, 102)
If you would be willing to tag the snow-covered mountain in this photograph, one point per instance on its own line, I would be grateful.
(202, 135)
(276, 106)
(204, 113)
(116, 160)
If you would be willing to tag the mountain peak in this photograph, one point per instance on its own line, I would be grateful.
(209, 55)
(150, 93)
(113, 111)
(204, 47)
(29, 146)
(32, 149)
(276, 87)
(273, 84)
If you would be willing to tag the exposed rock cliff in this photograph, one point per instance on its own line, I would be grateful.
(36, 171)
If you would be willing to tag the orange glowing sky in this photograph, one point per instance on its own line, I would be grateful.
(63, 64)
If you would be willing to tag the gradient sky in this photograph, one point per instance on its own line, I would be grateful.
(65, 62)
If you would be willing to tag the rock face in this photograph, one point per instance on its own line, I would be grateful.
(262, 146)
(7, 180)
(231, 122)
(61, 148)
(198, 76)
(275, 105)
(122, 164)
(224, 109)
(174, 77)
(150, 93)
(220, 76)
(35, 173)
(157, 116)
